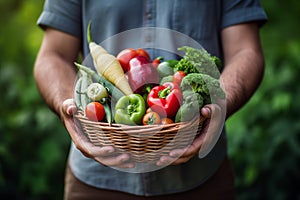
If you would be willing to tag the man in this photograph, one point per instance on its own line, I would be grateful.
(228, 29)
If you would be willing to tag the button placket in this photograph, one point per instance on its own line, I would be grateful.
(149, 20)
(150, 12)
(149, 15)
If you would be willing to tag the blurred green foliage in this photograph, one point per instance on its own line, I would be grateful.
(263, 136)
(33, 143)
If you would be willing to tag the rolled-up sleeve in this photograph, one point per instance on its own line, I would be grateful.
(242, 11)
(62, 15)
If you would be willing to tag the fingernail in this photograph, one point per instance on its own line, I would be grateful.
(124, 158)
(70, 110)
(207, 109)
(109, 151)
(174, 154)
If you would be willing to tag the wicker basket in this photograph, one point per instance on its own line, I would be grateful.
(143, 143)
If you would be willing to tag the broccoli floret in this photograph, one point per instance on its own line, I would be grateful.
(199, 61)
(204, 85)
(186, 66)
(190, 97)
(166, 79)
(218, 62)
(192, 102)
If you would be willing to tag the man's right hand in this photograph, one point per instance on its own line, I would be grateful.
(105, 155)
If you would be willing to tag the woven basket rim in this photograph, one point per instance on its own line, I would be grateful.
(145, 143)
(134, 128)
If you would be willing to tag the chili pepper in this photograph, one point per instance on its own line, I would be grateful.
(106, 104)
(141, 73)
(165, 99)
(172, 63)
(130, 110)
(156, 61)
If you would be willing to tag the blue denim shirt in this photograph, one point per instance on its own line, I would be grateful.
(202, 20)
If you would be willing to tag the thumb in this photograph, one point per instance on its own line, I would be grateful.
(206, 111)
(69, 107)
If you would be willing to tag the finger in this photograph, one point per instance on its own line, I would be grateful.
(206, 111)
(165, 160)
(69, 107)
(117, 160)
(83, 144)
(98, 151)
(213, 130)
(89, 149)
(175, 153)
(104, 154)
(181, 160)
(190, 150)
(126, 165)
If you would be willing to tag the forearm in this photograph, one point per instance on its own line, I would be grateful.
(54, 71)
(241, 77)
(55, 78)
(244, 64)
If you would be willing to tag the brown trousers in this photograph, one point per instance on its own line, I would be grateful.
(219, 186)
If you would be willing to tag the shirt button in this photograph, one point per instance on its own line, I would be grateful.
(148, 38)
(149, 16)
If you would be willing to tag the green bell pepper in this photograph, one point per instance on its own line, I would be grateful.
(130, 109)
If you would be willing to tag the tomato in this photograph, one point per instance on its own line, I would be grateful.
(125, 56)
(151, 118)
(95, 111)
(178, 76)
(166, 120)
(142, 52)
(148, 110)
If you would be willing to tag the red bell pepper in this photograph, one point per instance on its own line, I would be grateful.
(126, 55)
(141, 74)
(165, 99)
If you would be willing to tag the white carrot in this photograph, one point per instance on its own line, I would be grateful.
(108, 66)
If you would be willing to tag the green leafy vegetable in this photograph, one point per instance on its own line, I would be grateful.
(204, 85)
(199, 61)
(190, 96)
(186, 66)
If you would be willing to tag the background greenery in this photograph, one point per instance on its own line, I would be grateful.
(264, 136)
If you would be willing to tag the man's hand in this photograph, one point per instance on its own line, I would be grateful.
(105, 155)
(202, 144)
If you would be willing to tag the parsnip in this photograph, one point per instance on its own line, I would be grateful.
(109, 67)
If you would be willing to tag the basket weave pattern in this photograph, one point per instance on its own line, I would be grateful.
(143, 143)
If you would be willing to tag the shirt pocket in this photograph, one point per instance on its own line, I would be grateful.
(198, 19)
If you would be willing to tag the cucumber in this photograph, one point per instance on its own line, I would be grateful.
(105, 102)
(77, 93)
(86, 81)
(112, 90)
